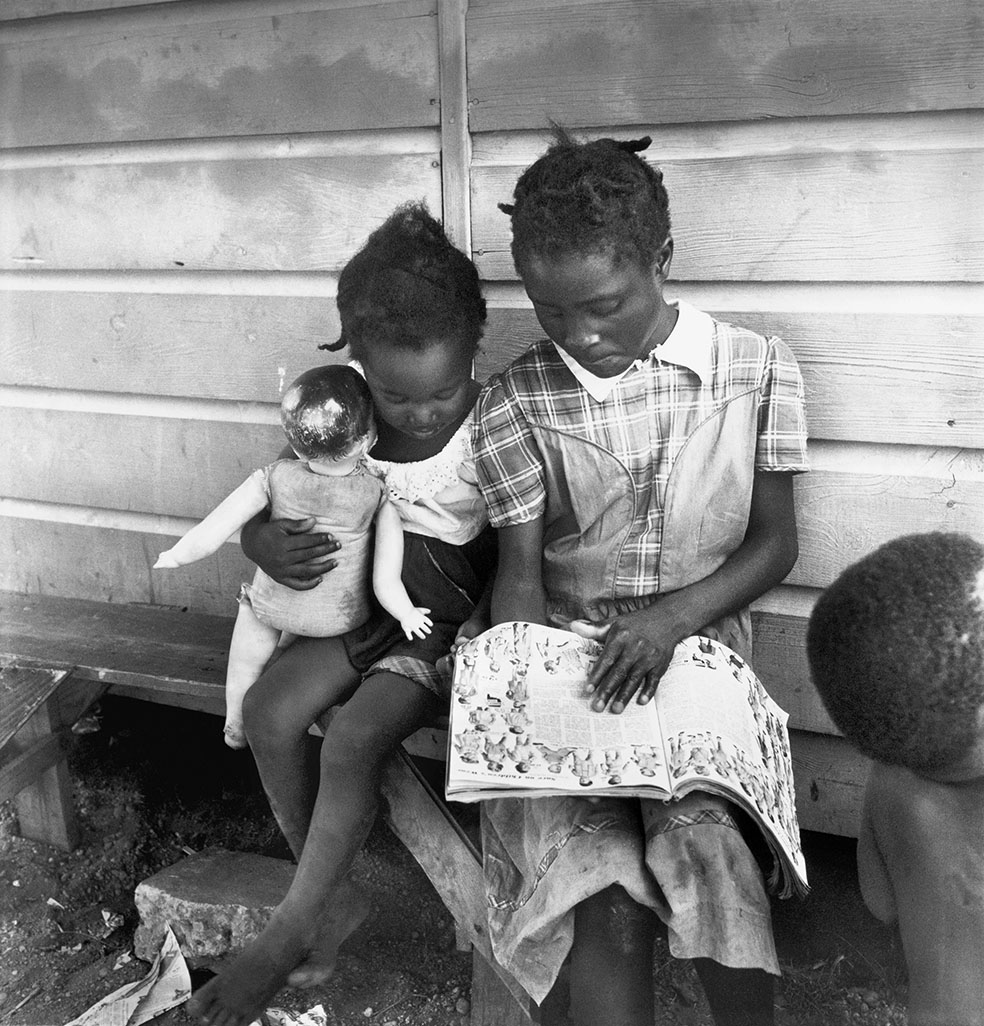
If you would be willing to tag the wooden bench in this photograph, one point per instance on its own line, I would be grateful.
(58, 656)
(72, 651)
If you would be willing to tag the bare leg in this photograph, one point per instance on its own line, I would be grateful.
(611, 969)
(308, 678)
(738, 997)
(363, 734)
(253, 642)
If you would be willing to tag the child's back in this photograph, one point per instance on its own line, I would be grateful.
(921, 864)
(896, 647)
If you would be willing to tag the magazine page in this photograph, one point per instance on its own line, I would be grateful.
(725, 734)
(522, 723)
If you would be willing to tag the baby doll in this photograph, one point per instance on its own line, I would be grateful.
(327, 418)
(896, 648)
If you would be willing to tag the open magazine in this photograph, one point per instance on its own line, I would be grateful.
(522, 726)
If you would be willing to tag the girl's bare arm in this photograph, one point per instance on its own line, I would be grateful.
(517, 593)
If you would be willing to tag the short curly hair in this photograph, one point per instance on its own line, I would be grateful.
(590, 197)
(896, 649)
(409, 287)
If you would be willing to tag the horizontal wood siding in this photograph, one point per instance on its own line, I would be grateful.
(237, 347)
(194, 70)
(290, 215)
(601, 62)
(825, 175)
(823, 217)
(180, 183)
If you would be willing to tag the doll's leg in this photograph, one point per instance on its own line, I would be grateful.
(252, 645)
(309, 677)
(294, 946)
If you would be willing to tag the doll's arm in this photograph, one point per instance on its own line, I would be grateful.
(221, 524)
(387, 567)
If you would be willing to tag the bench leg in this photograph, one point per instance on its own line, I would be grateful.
(45, 808)
(417, 815)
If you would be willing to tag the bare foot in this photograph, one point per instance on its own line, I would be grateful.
(349, 907)
(244, 987)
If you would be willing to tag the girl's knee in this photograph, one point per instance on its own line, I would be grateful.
(268, 718)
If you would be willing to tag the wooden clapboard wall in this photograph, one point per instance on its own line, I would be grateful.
(824, 165)
(180, 183)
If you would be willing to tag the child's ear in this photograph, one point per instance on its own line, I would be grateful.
(664, 256)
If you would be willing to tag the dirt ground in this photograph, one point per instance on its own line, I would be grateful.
(154, 784)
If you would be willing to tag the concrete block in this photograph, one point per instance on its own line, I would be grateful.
(216, 902)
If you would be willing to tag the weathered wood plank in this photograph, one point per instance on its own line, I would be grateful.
(305, 214)
(247, 71)
(45, 807)
(114, 566)
(166, 655)
(452, 865)
(829, 776)
(22, 690)
(211, 346)
(802, 217)
(594, 62)
(160, 465)
(16, 9)
(108, 641)
(844, 515)
(854, 499)
(866, 373)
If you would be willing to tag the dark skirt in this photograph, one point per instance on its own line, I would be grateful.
(446, 579)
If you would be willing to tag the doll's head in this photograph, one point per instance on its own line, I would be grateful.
(326, 413)
(896, 649)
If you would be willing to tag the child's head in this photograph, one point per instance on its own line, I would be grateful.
(412, 313)
(408, 288)
(594, 197)
(592, 243)
(896, 648)
(326, 413)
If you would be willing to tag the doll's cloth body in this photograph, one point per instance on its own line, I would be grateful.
(344, 507)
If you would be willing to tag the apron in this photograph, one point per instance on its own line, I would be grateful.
(687, 860)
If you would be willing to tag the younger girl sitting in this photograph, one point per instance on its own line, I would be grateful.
(412, 314)
(327, 417)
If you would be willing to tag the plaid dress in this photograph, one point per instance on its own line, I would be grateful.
(644, 484)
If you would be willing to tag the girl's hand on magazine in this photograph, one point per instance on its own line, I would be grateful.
(637, 650)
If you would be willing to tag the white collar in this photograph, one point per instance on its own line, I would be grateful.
(687, 345)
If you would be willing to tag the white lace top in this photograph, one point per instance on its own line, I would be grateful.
(439, 496)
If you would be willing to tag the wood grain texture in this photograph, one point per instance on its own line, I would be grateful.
(209, 346)
(797, 217)
(111, 565)
(599, 62)
(249, 70)
(153, 464)
(829, 776)
(868, 375)
(305, 214)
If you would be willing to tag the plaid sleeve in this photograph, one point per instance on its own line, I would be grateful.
(781, 441)
(507, 459)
